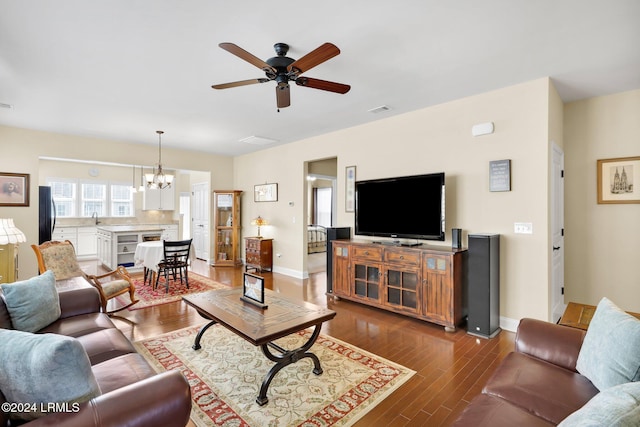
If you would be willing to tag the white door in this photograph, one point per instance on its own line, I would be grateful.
(200, 220)
(557, 233)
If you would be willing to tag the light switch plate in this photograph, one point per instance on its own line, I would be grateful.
(523, 227)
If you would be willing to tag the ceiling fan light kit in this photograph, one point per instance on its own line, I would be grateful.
(283, 69)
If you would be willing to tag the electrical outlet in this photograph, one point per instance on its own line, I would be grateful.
(523, 227)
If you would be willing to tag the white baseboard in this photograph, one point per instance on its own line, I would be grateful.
(289, 272)
(509, 324)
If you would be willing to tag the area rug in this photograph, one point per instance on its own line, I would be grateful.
(149, 297)
(227, 372)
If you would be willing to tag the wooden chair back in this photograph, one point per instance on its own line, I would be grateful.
(59, 257)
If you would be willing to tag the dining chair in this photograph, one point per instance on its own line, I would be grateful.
(60, 257)
(175, 262)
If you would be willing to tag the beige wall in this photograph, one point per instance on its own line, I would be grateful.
(432, 140)
(21, 150)
(602, 241)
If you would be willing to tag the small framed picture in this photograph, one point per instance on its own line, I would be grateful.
(253, 290)
(265, 193)
(14, 189)
(500, 175)
(350, 189)
(618, 180)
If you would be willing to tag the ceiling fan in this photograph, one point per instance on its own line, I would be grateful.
(283, 69)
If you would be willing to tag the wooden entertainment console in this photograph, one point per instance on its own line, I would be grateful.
(425, 282)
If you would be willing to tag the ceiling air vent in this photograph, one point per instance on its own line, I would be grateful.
(380, 109)
(258, 140)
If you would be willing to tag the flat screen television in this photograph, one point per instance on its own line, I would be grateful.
(410, 207)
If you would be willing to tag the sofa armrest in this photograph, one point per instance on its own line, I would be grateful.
(553, 343)
(161, 400)
(74, 302)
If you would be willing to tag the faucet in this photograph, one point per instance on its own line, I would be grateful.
(95, 215)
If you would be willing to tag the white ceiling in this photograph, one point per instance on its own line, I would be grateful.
(122, 69)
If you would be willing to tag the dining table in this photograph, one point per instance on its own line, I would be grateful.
(149, 254)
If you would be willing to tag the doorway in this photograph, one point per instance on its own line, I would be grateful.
(321, 208)
(200, 221)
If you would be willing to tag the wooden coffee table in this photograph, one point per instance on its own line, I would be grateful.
(284, 316)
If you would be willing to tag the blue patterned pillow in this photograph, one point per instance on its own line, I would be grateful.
(33, 303)
(610, 353)
(44, 368)
(614, 407)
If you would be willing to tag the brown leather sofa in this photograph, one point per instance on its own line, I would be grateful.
(132, 393)
(537, 384)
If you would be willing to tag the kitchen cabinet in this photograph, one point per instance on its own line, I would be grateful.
(118, 244)
(103, 247)
(66, 233)
(169, 232)
(156, 199)
(87, 247)
(84, 240)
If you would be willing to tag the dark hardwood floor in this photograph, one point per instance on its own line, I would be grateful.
(451, 368)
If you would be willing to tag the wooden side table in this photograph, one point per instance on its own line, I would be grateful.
(579, 315)
(258, 254)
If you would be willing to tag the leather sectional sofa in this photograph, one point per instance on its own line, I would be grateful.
(131, 393)
(537, 384)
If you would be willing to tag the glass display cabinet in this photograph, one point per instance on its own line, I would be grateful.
(226, 233)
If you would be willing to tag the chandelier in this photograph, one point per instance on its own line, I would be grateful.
(158, 179)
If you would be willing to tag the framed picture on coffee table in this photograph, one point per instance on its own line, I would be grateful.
(253, 290)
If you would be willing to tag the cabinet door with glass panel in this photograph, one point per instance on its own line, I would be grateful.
(226, 235)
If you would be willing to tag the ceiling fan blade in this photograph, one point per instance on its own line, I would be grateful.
(322, 85)
(313, 58)
(283, 96)
(243, 54)
(240, 83)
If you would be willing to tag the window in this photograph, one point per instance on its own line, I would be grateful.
(64, 196)
(94, 197)
(121, 200)
(323, 206)
(85, 198)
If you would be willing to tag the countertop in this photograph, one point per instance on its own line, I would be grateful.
(129, 228)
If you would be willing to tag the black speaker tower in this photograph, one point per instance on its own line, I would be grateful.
(484, 285)
(334, 233)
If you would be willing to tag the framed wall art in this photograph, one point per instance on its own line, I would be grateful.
(500, 175)
(14, 189)
(253, 290)
(618, 180)
(350, 189)
(265, 193)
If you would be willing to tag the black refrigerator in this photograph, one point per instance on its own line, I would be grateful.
(47, 217)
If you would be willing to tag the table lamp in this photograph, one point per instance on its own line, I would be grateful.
(259, 221)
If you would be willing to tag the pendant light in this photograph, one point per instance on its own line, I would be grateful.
(141, 188)
(133, 180)
(158, 179)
